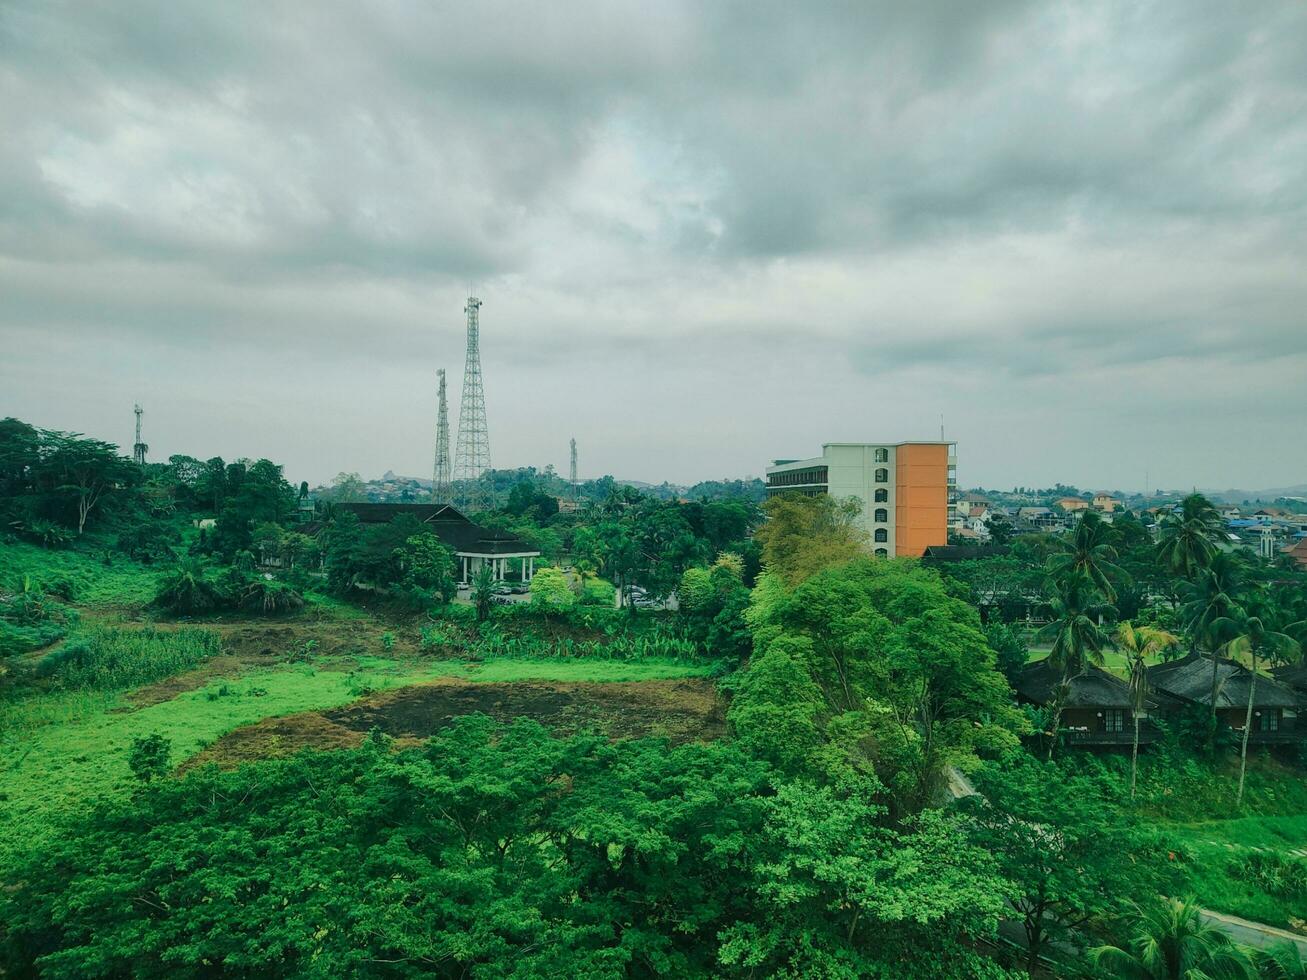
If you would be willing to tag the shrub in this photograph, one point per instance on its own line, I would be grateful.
(149, 757)
(270, 597)
(187, 589)
(1282, 876)
(113, 659)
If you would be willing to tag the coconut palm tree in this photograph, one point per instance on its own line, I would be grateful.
(1171, 942)
(1212, 610)
(1090, 554)
(1076, 636)
(1257, 640)
(1138, 643)
(1187, 542)
(1283, 961)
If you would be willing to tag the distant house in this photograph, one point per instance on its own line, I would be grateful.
(1297, 551)
(474, 546)
(1105, 501)
(1096, 710)
(1189, 681)
(1072, 504)
(1039, 518)
(937, 553)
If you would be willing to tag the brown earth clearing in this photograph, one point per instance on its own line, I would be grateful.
(679, 710)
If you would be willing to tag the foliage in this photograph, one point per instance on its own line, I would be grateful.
(905, 677)
(1171, 942)
(550, 591)
(270, 597)
(118, 659)
(148, 759)
(188, 589)
(483, 592)
(803, 535)
(1275, 873)
(498, 851)
(1073, 852)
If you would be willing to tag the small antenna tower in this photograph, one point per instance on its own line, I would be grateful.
(571, 471)
(139, 449)
(472, 453)
(440, 477)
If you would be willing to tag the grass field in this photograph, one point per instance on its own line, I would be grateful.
(95, 584)
(1219, 849)
(60, 751)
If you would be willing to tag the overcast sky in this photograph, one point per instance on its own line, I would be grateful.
(705, 235)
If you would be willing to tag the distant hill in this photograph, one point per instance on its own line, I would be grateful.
(1235, 496)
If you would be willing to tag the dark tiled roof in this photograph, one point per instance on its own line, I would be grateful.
(1093, 689)
(1294, 675)
(385, 513)
(448, 524)
(1191, 679)
(960, 552)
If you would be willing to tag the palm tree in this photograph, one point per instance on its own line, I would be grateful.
(1171, 942)
(1138, 644)
(1077, 638)
(1256, 640)
(1188, 539)
(1212, 610)
(1284, 961)
(483, 590)
(1089, 554)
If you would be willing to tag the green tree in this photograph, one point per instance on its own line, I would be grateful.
(1138, 644)
(1212, 610)
(550, 591)
(1171, 942)
(148, 758)
(1090, 555)
(429, 566)
(84, 471)
(803, 535)
(483, 592)
(1076, 639)
(187, 589)
(1258, 642)
(1187, 540)
(1072, 853)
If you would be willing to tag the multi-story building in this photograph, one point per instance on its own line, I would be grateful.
(907, 490)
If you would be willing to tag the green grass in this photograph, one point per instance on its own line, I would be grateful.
(1217, 848)
(59, 752)
(122, 582)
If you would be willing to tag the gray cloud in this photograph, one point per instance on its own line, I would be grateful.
(706, 235)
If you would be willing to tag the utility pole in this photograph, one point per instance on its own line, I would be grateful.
(139, 449)
(472, 455)
(440, 476)
(571, 472)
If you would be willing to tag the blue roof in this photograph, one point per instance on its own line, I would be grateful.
(1244, 523)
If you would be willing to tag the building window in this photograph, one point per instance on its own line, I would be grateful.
(881, 535)
(1114, 720)
(882, 553)
(882, 515)
(882, 455)
(882, 496)
(882, 476)
(1268, 720)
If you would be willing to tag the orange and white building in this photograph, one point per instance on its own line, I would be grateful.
(907, 490)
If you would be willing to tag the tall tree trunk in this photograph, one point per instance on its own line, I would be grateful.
(1134, 756)
(1247, 728)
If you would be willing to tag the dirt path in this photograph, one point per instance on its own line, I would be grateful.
(680, 710)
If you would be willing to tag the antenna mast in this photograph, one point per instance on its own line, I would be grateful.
(440, 477)
(139, 449)
(571, 472)
(472, 454)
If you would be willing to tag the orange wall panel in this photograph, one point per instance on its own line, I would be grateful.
(921, 497)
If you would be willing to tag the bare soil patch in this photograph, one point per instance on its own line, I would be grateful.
(680, 710)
